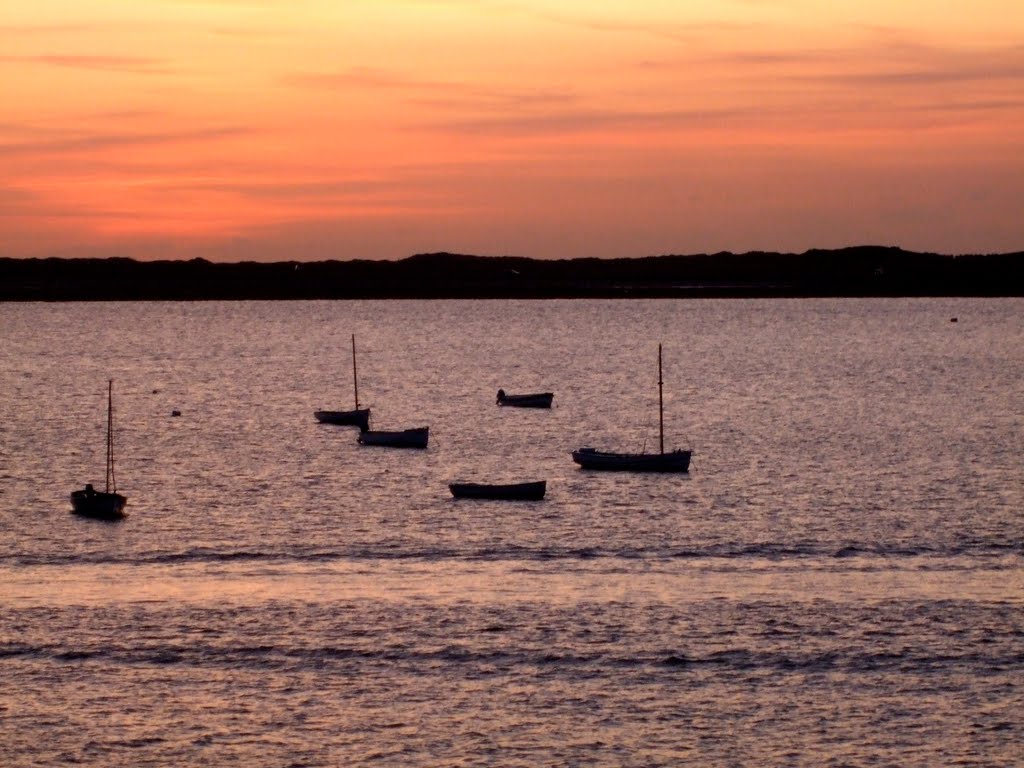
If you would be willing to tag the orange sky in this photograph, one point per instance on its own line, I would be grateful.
(316, 129)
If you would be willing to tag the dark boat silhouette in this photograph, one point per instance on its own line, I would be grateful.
(532, 491)
(107, 504)
(402, 438)
(360, 417)
(533, 400)
(673, 461)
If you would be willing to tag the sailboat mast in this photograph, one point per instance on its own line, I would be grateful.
(111, 479)
(661, 407)
(355, 380)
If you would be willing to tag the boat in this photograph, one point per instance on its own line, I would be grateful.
(107, 504)
(533, 491)
(403, 438)
(533, 400)
(673, 461)
(360, 417)
(357, 418)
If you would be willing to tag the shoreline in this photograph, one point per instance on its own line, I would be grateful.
(864, 271)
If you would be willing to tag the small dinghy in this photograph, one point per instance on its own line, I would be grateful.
(403, 438)
(534, 400)
(512, 491)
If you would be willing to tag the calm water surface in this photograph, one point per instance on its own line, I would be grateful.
(838, 581)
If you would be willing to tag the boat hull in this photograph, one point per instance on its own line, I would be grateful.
(533, 491)
(358, 418)
(405, 438)
(534, 400)
(674, 461)
(99, 505)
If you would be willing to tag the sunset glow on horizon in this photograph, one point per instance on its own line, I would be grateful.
(277, 130)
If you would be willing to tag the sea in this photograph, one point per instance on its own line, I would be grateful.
(838, 580)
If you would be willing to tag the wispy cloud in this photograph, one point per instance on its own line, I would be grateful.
(823, 113)
(882, 65)
(918, 76)
(23, 30)
(289, 4)
(606, 23)
(674, 31)
(367, 77)
(133, 64)
(84, 142)
(284, 190)
(583, 121)
(435, 93)
(884, 76)
(15, 201)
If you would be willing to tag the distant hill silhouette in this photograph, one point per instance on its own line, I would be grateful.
(857, 271)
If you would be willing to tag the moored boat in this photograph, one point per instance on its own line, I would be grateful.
(531, 491)
(103, 505)
(403, 438)
(358, 417)
(107, 504)
(673, 461)
(532, 400)
(608, 461)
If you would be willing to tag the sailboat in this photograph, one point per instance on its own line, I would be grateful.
(360, 417)
(673, 461)
(107, 504)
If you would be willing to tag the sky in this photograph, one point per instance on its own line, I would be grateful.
(275, 130)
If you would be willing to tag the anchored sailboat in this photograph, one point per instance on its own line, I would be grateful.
(107, 504)
(360, 417)
(673, 461)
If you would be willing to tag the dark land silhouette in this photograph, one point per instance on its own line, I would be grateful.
(856, 271)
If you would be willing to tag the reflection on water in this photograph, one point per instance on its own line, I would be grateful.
(838, 579)
(498, 582)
